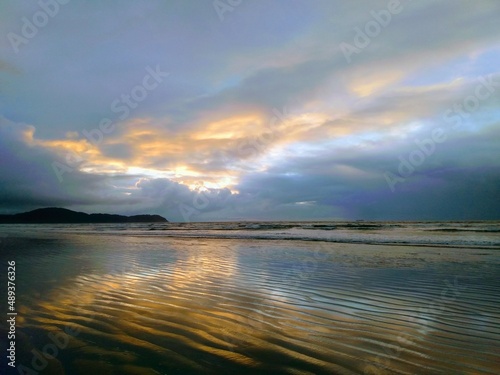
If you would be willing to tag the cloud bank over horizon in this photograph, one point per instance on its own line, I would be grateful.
(259, 111)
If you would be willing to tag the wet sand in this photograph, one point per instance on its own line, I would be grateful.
(144, 305)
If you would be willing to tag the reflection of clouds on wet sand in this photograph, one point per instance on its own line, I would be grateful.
(142, 305)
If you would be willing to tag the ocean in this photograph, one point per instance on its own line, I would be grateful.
(253, 298)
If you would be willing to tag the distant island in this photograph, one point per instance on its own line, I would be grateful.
(54, 215)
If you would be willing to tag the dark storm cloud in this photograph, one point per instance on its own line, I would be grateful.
(201, 147)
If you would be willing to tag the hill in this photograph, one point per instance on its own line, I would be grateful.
(54, 215)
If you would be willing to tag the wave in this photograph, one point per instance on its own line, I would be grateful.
(492, 230)
(458, 234)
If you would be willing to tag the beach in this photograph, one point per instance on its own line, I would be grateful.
(254, 299)
(250, 187)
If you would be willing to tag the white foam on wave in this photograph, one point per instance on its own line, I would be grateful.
(471, 234)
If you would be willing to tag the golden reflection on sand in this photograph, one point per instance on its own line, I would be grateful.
(208, 305)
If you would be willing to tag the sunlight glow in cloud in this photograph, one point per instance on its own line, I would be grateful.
(261, 117)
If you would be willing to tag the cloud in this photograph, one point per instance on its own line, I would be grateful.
(261, 117)
(29, 181)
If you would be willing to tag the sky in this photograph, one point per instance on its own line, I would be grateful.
(252, 110)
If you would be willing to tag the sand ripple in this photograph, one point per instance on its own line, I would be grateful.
(223, 306)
